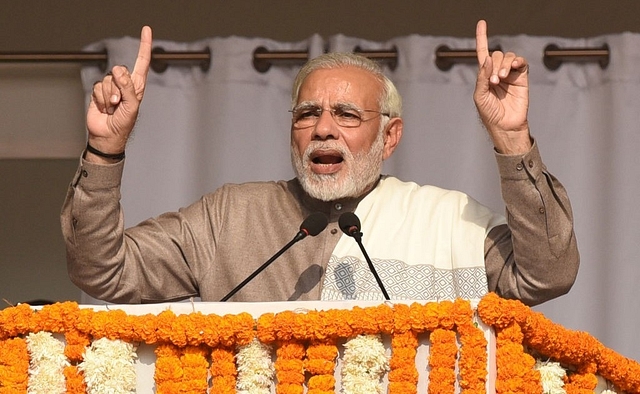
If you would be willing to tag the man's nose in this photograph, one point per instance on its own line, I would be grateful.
(326, 127)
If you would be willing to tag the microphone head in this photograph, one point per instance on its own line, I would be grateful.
(314, 224)
(349, 223)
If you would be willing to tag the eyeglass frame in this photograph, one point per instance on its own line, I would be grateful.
(332, 112)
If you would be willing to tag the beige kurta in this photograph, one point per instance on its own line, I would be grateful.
(209, 247)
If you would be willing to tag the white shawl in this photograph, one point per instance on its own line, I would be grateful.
(426, 243)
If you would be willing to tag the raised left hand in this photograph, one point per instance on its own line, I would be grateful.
(502, 95)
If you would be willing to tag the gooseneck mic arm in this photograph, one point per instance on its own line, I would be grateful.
(312, 225)
(350, 225)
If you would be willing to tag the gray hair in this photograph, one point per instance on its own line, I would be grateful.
(390, 101)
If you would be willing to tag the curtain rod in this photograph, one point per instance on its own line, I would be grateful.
(160, 59)
(263, 59)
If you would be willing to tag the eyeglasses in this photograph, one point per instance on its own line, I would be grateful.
(345, 116)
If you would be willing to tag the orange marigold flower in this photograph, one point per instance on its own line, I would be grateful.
(74, 380)
(265, 328)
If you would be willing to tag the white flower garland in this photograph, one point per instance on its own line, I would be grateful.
(551, 375)
(363, 365)
(46, 364)
(109, 367)
(255, 368)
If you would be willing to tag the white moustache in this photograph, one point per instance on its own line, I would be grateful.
(325, 146)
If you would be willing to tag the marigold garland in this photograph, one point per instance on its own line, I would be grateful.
(75, 380)
(181, 370)
(473, 358)
(442, 361)
(516, 373)
(76, 343)
(14, 365)
(295, 334)
(321, 364)
(223, 370)
(573, 348)
(289, 367)
(195, 366)
(168, 371)
(403, 377)
(583, 381)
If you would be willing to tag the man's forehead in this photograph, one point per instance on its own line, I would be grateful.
(345, 75)
(346, 85)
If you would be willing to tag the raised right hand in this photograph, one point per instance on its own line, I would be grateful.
(115, 102)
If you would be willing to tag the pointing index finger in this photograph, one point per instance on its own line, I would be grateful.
(482, 44)
(141, 68)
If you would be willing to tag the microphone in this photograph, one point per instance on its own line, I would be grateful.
(312, 225)
(350, 225)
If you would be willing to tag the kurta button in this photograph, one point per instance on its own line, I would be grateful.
(334, 230)
(338, 206)
(530, 163)
(519, 167)
(541, 210)
(85, 173)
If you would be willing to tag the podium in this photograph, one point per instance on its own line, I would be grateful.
(493, 345)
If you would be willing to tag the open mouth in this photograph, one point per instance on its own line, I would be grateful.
(326, 157)
(326, 161)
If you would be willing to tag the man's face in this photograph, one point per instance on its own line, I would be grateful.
(333, 161)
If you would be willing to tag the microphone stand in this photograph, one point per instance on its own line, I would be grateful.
(312, 225)
(357, 235)
(261, 268)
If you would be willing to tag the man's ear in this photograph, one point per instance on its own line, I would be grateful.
(392, 136)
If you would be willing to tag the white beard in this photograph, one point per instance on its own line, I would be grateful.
(358, 175)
